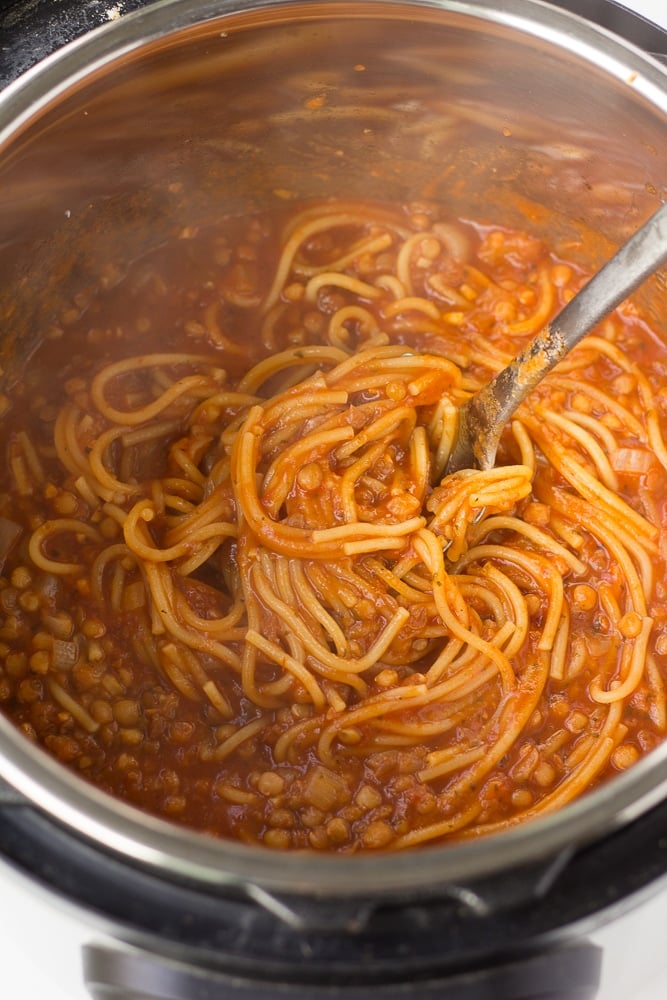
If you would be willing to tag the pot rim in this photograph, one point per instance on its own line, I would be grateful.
(180, 853)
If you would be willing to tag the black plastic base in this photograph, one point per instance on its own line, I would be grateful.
(424, 946)
(571, 973)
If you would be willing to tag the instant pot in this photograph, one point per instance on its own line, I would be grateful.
(91, 123)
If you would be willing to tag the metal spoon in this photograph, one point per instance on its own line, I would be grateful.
(483, 416)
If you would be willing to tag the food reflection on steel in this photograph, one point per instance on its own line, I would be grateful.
(232, 594)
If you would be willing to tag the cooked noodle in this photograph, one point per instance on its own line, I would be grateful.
(281, 583)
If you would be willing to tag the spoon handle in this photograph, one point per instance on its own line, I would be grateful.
(483, 417)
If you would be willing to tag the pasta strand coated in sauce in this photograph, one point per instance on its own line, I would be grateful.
(236, 589)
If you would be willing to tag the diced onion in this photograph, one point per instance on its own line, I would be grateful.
(134, 596)
(65, 654)
(10, 532)
(325, 789)
(48, 585)
(632, 461)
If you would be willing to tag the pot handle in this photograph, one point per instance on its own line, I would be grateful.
(117, 972)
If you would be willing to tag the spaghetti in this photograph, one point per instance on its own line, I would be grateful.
(237, 590)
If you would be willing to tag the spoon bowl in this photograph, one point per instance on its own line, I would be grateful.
(482, 418)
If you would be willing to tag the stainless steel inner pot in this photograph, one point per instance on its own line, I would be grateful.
(191, 109)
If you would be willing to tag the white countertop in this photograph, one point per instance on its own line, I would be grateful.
(654, 10)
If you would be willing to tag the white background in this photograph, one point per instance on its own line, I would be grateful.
(40, 943)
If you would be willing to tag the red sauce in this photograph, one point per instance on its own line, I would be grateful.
(149, 743)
